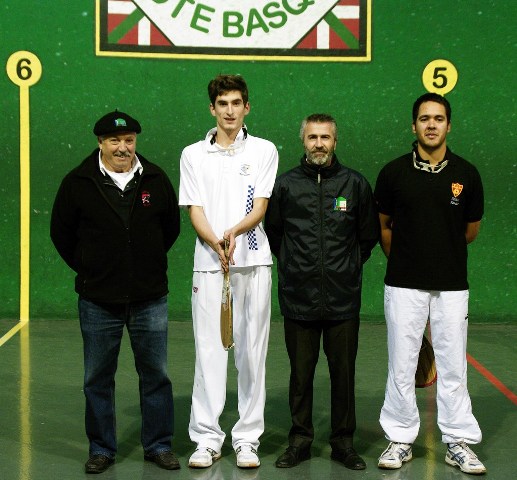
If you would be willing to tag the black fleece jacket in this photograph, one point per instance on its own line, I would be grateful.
(118, 259)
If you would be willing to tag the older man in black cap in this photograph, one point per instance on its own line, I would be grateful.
(115, 217)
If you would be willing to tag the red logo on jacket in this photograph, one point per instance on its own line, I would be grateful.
(146, 199)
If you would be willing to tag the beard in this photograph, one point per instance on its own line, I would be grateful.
(318, 160)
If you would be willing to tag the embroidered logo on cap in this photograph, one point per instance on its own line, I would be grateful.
(120, 122)
(340, 204)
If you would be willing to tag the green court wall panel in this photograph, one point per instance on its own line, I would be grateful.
(370, 100)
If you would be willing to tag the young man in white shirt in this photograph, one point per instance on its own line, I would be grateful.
(226, 182)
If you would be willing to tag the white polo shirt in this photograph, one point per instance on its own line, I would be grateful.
(224, 181)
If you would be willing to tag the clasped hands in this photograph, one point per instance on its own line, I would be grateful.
(226, 259)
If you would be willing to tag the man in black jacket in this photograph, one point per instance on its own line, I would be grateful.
(114, 218)
(321, 224)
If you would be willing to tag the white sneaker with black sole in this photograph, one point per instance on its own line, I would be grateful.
(203, 457)
(247, 456)
(395, 455)
(460, 455)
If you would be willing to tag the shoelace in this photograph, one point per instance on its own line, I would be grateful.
(466, 452)
(213, 453)
(245, 449)
(395, 448)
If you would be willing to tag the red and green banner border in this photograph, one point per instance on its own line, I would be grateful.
(350, 41)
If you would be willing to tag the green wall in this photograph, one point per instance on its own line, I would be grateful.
(371, 102)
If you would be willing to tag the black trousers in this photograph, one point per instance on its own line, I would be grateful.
(302, 339)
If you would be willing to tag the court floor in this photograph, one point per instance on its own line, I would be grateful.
(41, 409)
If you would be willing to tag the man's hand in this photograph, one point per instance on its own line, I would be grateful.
(230, 236)
(218, 247)
(205, 232)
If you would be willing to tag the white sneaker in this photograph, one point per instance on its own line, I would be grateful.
(460, 455)
(247, 456)
(203, 458)
(395, 455)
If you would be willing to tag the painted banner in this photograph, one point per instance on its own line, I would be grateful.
(291, 30)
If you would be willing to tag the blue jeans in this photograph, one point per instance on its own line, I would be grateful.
(102, 328)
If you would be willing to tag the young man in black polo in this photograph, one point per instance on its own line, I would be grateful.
(430, 205)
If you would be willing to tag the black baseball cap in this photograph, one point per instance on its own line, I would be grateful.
(116, 122)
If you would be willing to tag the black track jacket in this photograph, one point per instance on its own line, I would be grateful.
(322, 225)
(115, 263)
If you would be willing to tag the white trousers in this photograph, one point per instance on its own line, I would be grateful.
(407, 311)
(251, 291)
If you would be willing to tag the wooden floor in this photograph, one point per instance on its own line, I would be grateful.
(42, 404)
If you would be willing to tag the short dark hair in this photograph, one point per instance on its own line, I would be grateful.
(227, 83)
(318, 118)
(432, 97)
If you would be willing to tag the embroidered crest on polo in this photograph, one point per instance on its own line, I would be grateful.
(456, 189)
(340, 204)
(245, 169)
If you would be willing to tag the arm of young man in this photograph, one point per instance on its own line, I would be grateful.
(472, 230)
(385, 222)
(251, 220)
(206, 234)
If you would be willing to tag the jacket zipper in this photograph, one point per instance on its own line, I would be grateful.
(320, 185)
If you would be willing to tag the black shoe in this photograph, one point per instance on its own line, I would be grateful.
(349, 458)
(98, 463)
(292, 457)
(166, 460)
